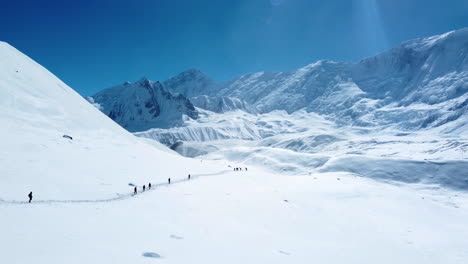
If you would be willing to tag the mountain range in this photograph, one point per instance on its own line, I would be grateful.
(422, 83)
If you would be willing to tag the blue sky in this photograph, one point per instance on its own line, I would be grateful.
(92, 45)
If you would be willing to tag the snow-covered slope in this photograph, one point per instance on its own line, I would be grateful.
(222, 104)
(36, 110)
(143, 105)
(209, 127)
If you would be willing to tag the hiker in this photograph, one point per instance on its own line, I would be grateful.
(30, 196)
(189, 176)
(149, 186)
(245, 168)
(144, 188)
(169, 180)
(135, 190)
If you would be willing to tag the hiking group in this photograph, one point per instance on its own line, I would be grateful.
(239, 169)
(135, 189)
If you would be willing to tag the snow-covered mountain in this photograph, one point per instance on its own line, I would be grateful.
(430, 74)
(407, 107)
(144, 105)
(419, 84)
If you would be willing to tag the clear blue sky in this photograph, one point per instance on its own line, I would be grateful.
(92, 45)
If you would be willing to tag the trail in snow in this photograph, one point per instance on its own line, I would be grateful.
(119, 196)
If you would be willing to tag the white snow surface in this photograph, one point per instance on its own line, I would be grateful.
(309, 194)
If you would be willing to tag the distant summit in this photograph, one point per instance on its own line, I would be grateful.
(143, 105)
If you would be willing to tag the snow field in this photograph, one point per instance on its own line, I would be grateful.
(248, 217)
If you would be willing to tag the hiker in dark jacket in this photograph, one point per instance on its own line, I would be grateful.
(149, 186)
(135, 190)
(189, 176)
(144, 188)
(30, 196)
(169, 180)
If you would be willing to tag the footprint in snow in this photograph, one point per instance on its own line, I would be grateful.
(151, 255)
(284, 252)
(176, 237)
